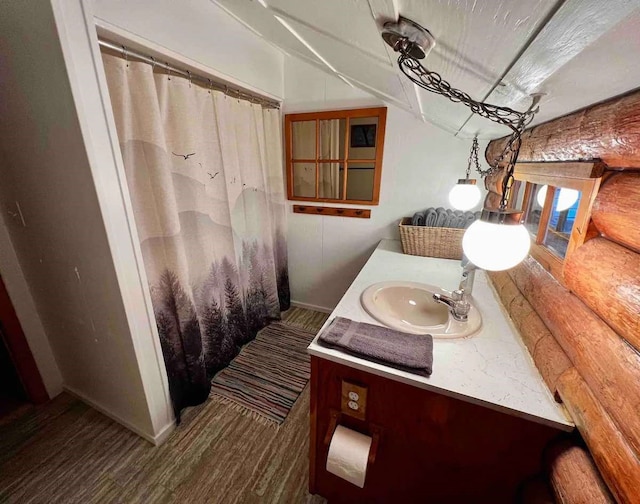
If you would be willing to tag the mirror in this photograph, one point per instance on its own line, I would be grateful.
(563, 215)
(360, 181)
(362, 137)
(330, 183)
(533, 211)
(556, 200)
(332, 137)
(335, 156)
(304, 140)
(304, 176)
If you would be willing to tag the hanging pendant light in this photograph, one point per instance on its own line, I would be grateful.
(465, 195)
(498, 240)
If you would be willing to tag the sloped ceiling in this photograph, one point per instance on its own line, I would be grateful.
(576, 52)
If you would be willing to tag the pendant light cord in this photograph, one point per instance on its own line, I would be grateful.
(513, 119)
(474, 160)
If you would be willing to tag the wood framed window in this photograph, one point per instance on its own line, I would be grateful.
(335, 156)
(556, 199)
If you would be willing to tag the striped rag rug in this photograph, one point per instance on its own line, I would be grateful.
(268, 374)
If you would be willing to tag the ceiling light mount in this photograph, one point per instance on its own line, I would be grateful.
(408, 37)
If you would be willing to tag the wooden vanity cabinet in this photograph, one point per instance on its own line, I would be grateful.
(432, 448)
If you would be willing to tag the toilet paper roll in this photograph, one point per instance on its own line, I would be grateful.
(348, 455)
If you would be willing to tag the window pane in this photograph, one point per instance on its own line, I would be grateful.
(517, 194)
(330, 184)
(304, 180)
(303, 136)
(360, 178)
(565, 207)
(362, 137)
(534, 209)
(332, 137)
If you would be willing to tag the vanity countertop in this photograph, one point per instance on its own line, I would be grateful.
(491, 368)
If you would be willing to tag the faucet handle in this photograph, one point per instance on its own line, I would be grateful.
(457, 295)
(462, 308)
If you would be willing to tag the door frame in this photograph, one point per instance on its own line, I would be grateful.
(19, 350)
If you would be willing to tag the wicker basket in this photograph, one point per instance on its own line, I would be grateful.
(430, 241)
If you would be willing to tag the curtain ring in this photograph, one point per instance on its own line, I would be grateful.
(125, 56)
(153, 64)
(210, 85)
(169, 70)
(226, 91)
(189, 74)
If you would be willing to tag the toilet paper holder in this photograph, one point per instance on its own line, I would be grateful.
(334, 420)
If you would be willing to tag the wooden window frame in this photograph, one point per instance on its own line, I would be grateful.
(379, 112)
(582, 176)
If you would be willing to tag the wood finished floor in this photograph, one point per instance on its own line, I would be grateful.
(66, 452)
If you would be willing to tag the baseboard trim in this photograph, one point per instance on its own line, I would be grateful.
(156, 440)
(164, 433)
(308, 306)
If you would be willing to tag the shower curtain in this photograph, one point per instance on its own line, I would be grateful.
(205, 176)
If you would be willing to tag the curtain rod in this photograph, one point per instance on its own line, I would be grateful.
(207, 82)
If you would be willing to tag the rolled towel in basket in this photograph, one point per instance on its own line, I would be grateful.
(442, 217)
(418, 219)
(431, 217)
(469, 219)
(450, 221)
(461, 220)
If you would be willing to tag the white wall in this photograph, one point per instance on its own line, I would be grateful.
(203, 32)
(421, 163)
(70, 233)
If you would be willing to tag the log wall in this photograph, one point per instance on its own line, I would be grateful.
(547, 354)
(616, 211)
(585, 338)
(573, 475)
(609, 131)
(613, 292)
(617, 461)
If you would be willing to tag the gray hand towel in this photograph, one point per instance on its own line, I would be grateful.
(431, 217)
(442, 217)
(408, 352)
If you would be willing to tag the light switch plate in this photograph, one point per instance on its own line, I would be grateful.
(351, 406)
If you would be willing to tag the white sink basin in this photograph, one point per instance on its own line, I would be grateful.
(409, 307)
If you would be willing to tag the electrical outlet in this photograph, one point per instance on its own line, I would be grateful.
(354, 400)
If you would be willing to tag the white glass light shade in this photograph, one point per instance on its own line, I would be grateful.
(464, 196)
(566, 200)
(496, 247)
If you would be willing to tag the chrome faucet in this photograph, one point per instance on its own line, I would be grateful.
(458, 305)
(457, 301)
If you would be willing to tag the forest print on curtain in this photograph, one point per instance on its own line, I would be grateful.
(204, 173)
